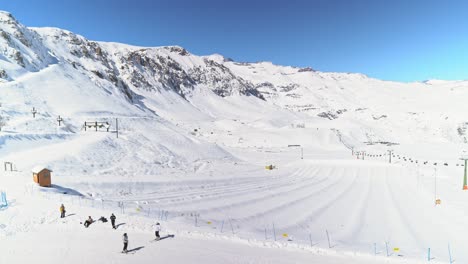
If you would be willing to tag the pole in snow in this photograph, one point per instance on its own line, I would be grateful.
(59, 120)
(117, 126)
(274, 231)
(450, 254)
(34, 112)
(465, 184)
(435, 186)
(230, 223)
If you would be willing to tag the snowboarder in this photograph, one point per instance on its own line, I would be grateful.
(62, 211)
(158, 229)
(112, 218)
(125, 242)
(88, 221)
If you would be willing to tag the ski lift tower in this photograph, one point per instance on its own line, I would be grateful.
(390, 153)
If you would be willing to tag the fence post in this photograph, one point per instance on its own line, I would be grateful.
(386, 247)
(310, 239)
(450, 254)
(232, 228)
(274, 231)
(429, 254)
(328, 238)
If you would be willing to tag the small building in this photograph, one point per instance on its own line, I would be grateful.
(42, 176)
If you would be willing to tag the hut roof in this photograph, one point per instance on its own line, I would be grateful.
(39, 168)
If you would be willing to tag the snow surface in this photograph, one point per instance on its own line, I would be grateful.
(195, 161)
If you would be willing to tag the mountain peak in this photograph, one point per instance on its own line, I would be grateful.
(6, 15)
(217, 58)
(177, 49)
(7, 18)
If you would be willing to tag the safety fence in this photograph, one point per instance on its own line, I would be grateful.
(266, 231)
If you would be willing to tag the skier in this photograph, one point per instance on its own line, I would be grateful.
(62, 211)
(112, 218)
(88, 221)
(158, 229)
(125, 242)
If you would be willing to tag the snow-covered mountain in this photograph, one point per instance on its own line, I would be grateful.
(140, 75)
(185, 139)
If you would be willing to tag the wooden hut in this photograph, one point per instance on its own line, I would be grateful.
(42, 176)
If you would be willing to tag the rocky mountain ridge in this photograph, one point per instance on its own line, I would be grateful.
(139, 74)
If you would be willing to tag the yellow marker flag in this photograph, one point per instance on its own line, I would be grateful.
(396, 249)
(208, 222)
(285, 235)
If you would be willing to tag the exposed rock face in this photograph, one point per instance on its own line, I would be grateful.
(134, 70)
(146, 69)
(21, 46)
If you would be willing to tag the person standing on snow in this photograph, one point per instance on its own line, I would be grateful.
(62, 211)
(112, 218)
(125, 242)
(158, 229)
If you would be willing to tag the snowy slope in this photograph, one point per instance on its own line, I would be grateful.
(194, 136)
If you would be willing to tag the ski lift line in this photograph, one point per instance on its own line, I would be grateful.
(407, 159)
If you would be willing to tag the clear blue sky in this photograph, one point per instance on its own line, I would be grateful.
(401, 40)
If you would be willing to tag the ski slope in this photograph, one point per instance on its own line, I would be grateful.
(362, 204)
(182, 151)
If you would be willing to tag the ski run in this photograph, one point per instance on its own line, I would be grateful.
(238, 162)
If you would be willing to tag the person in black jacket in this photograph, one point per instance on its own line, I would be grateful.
(125, 241)
(156, 232)
(112, 218)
